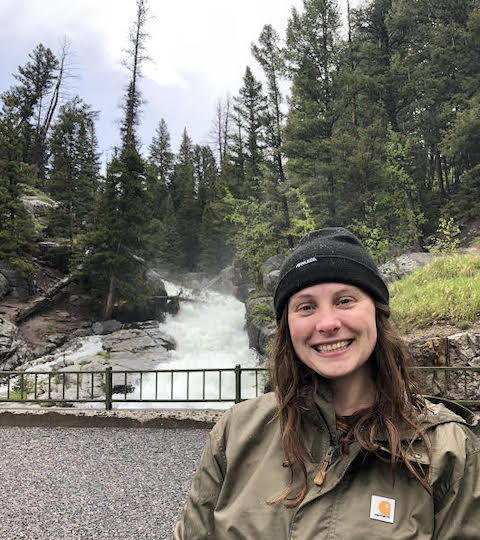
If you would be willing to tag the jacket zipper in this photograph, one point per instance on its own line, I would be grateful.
(320, 476)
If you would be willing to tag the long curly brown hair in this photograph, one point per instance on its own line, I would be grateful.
(396, 407)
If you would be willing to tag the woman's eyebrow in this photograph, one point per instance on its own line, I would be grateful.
(301, 297)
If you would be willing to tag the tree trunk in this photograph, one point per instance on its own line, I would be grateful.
(107, 312)
(43, 301)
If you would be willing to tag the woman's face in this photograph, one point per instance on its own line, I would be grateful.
(333, 330)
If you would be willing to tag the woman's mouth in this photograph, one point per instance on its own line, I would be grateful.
(328, 347)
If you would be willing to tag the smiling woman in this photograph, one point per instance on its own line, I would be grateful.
(345, 447)
(333, 332)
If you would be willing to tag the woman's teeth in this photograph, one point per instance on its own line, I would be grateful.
(332, 346)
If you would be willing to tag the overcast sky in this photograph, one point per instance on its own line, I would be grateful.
(199, 51)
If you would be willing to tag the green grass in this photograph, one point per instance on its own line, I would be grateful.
(447, 290)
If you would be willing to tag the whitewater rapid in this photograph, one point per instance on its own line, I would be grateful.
(209, 331)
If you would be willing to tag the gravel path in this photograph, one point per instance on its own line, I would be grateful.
(94, 483)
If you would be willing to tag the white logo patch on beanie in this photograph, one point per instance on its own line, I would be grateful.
(307, 261)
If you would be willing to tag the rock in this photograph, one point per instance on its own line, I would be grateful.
(242, 281)
(138, 338)
(106, 327)
(457, 350)
(13, 351)
(57, 339)
(404, 264)
(431, 351)
(5, 286)
(223, 283)
(270, 272)
(21, 286)
(8, 344)
(37, 207)
(79, 300)
(464, 349)
(260, 321)
(173, 306)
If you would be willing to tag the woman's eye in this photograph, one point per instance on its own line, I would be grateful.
(345, 301)
(305, 307)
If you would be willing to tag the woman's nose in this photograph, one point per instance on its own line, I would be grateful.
(327, 320)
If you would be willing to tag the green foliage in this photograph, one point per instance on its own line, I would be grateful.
(74, 170)
(112, 263)
(445, 290)
(445, 238)
(17, 235)
(262, 314)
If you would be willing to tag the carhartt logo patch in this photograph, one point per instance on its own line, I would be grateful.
(382, 509)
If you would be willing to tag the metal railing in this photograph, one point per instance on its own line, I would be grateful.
(461, 384)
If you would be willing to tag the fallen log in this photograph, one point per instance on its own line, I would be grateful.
(41, 302)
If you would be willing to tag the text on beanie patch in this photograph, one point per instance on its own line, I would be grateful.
(307, 261)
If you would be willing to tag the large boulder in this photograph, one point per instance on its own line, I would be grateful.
(138, 338)
(5, 286)
(18, 284)
(260, 322)
(8, 344)
(399, 267)
(456, 350)
(106, 327)
(270, 272)
(223, 283)
(38, 207)
(13, 351)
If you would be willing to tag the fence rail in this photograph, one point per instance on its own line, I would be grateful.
(461, 384)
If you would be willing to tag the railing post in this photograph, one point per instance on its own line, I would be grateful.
(22, 385)
(238, 383)
(108, 388)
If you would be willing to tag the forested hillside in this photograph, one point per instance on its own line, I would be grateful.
(379, 131)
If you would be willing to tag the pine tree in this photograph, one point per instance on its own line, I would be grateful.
(36, 98)
(17, 235)
(311, 53)
(185, 202)
(117, 249)
(249, 113)
(74, 171)
(270, 57)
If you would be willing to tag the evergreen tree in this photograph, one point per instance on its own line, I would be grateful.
(17, 236)
(159, 171)
(311, 53)
(185, 202)
(249, 113)
(117, 249)
(206, 174)
(270, 57)
(36, 98)
(74, 171)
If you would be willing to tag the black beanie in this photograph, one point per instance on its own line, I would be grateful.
(327, 255)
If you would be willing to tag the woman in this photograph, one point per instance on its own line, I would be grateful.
(344, 448)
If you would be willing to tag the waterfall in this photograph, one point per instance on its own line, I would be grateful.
(209, 332)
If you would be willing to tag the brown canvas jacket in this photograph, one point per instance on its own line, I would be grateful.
(241, 470)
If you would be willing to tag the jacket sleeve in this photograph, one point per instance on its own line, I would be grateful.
(196, 521)
(458, 505)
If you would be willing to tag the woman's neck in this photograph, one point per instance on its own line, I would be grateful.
(350, 396)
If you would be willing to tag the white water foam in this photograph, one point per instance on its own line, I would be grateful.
(210, 334)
